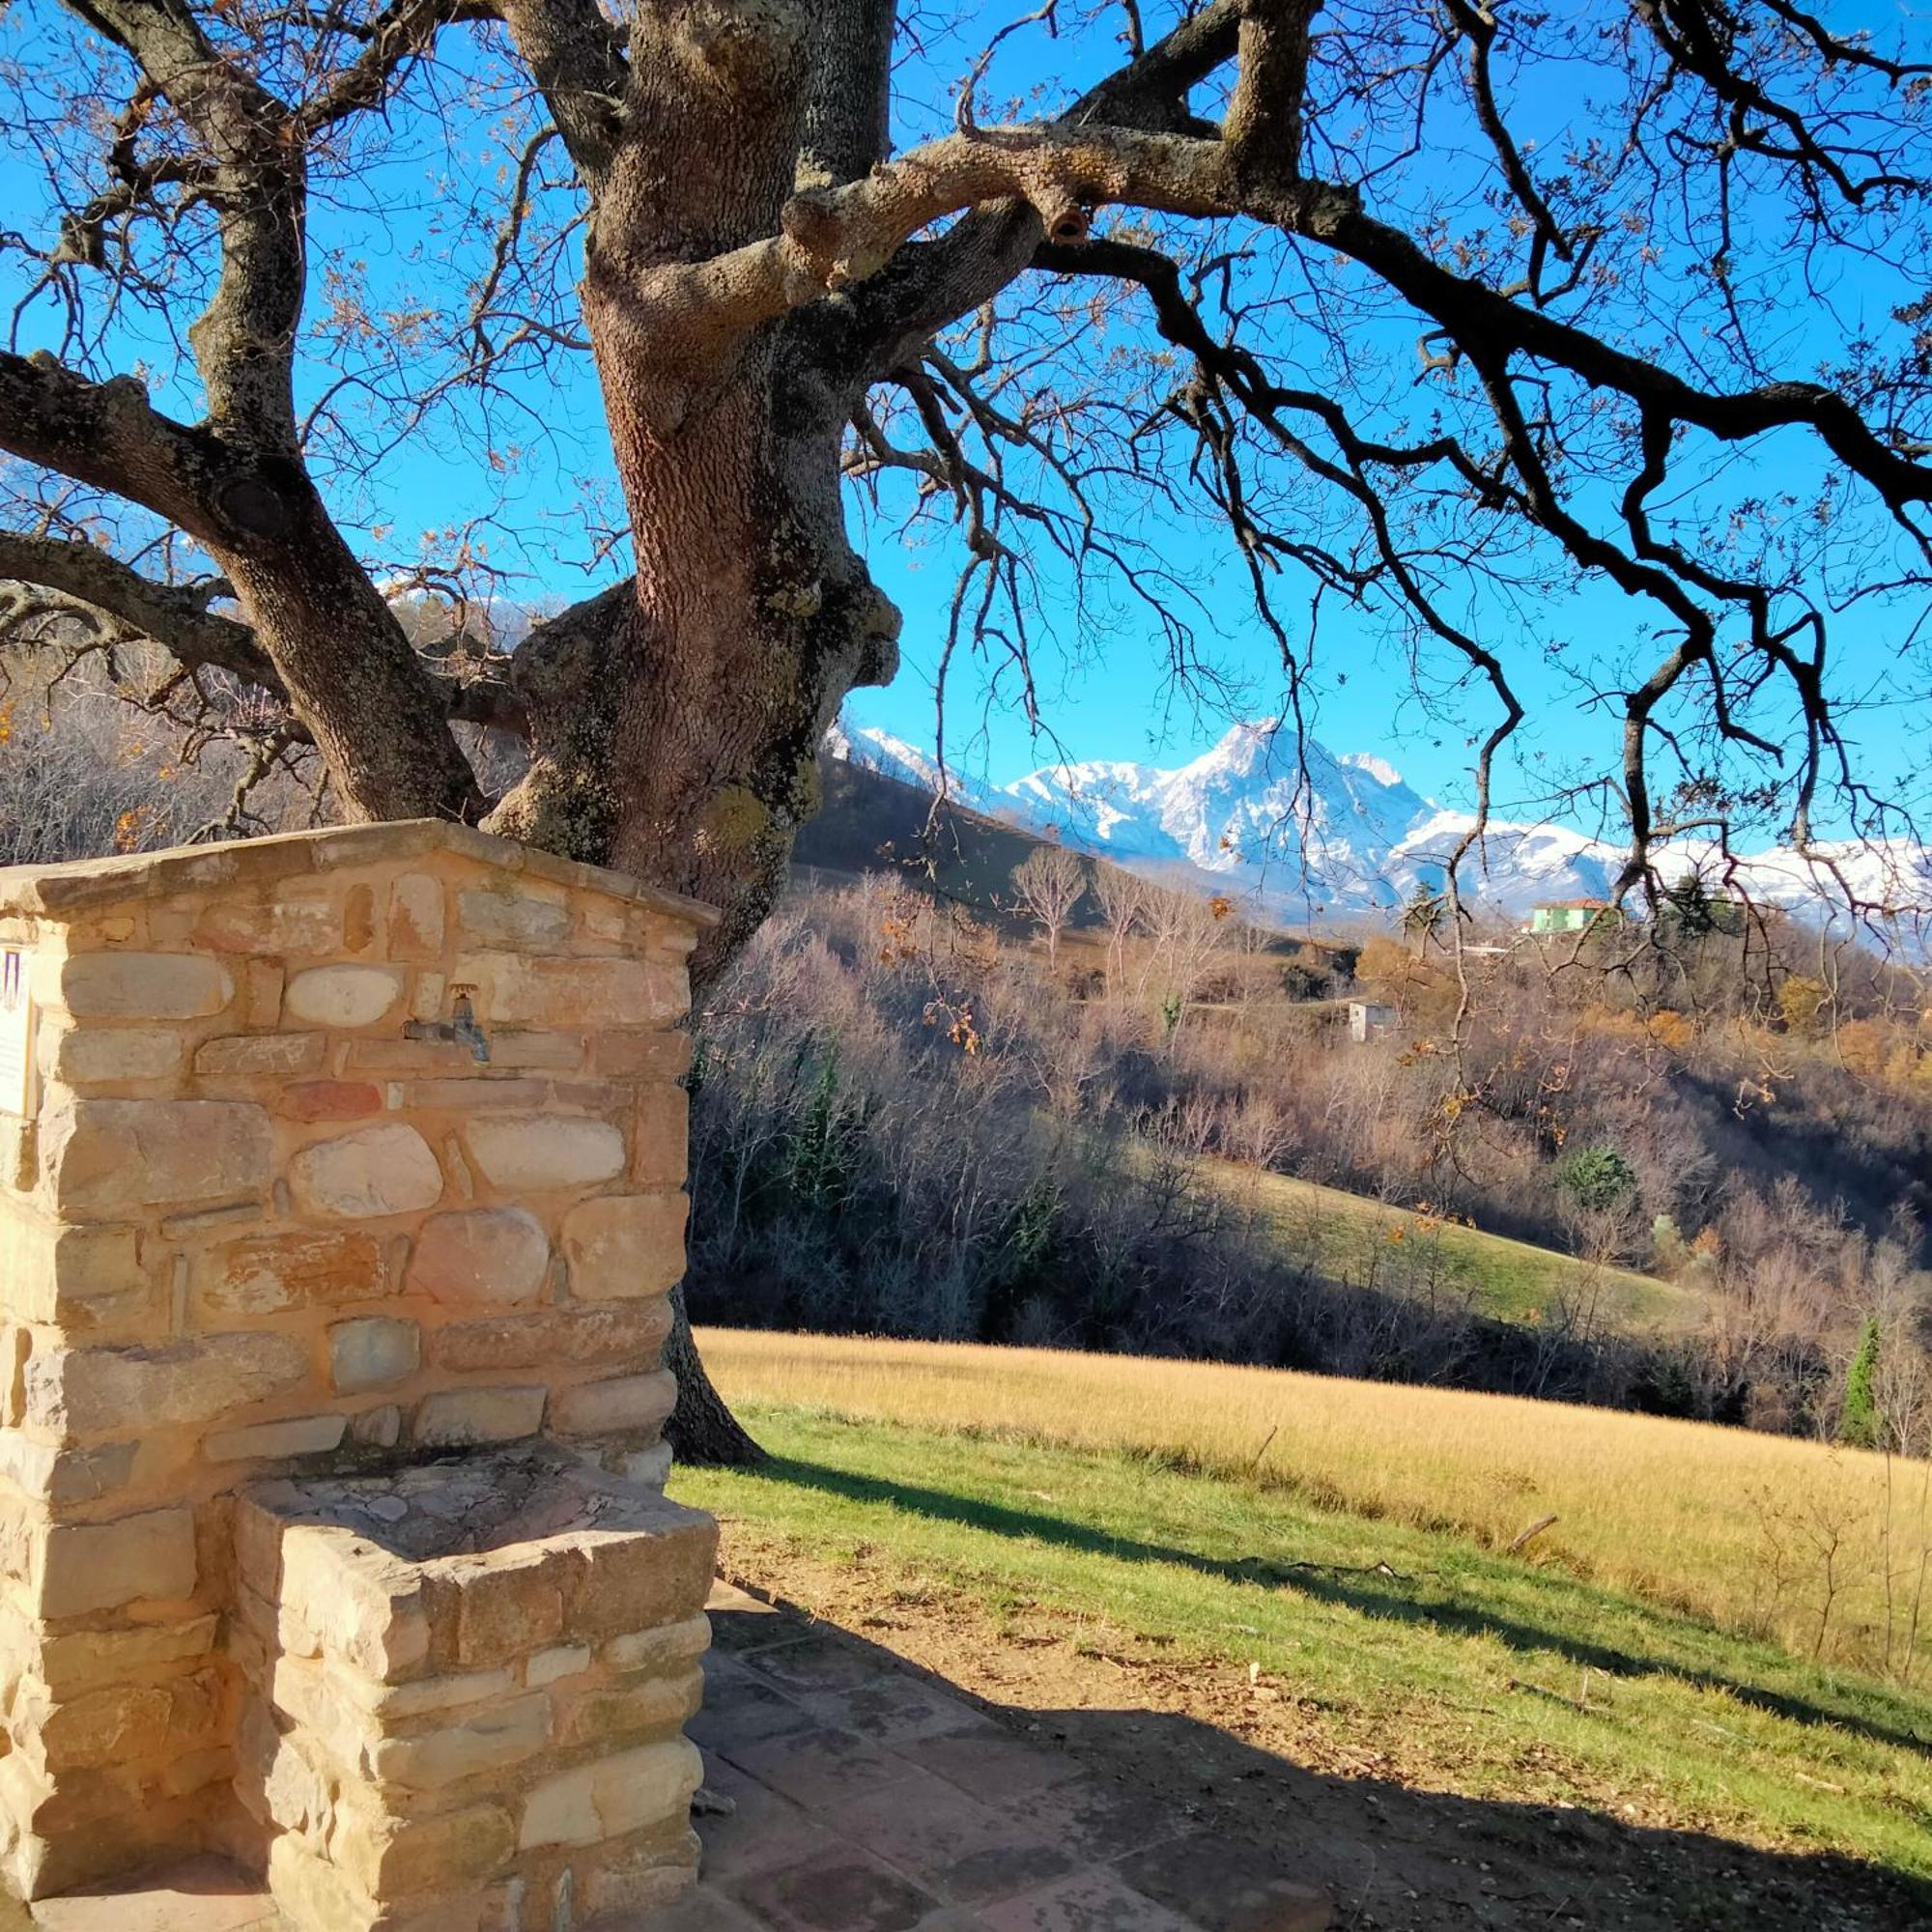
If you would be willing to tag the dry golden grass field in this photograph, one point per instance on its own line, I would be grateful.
(1826, 1550)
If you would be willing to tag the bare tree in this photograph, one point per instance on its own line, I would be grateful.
(1050, 881)
(206, 384)
(1185, 931)
(1121, 896)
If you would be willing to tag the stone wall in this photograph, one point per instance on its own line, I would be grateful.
(341, 1152)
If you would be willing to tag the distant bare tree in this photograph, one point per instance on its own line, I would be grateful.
(1050, 883)
(1186, 931)
(1121, 896)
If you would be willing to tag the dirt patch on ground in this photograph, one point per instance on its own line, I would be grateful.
(1242, 1754)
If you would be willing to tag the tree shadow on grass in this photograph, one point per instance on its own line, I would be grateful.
(1211, 1826)
(1375, 1594)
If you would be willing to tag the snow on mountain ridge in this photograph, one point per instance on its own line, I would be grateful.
(1316, 833)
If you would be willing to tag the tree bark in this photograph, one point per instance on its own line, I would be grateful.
(701, 1428)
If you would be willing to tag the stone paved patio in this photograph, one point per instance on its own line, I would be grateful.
(868, 1797)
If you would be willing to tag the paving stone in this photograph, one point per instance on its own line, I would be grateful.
(896, 1708)
(763, 1832)
(959, 1848)
(818, 1767)
(741, 1633)
(1097, 1821)
(817, 1662)
(738, 1714)
(1094, 1900)
(1226, 1885)
(198, 1895)
(990, 1764)
(839, 1891)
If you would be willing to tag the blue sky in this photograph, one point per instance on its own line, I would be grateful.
(1103, 686)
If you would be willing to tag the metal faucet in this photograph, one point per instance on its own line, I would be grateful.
(460, 1029)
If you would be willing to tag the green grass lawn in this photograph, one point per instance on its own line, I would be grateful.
(1485, 1676)
(1352, 1239)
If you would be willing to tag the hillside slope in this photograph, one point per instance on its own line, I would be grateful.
(1333, 1636)
(1349, 1239)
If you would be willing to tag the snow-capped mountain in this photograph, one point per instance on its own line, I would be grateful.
(1321, 833)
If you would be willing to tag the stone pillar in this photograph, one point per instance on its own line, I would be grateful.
(340, 1162)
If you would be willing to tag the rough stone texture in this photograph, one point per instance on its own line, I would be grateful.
(538, 1153)
(373, 1351)
(103, 1159)
(470, 1417)
(363, 1176)
(485, 1254)
(274, 1219)
(342, 996)
(619, 1247)
(143, 987)
(521, 1748)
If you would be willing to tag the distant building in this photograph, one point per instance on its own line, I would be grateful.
(1369, 1019)
(1556, 915)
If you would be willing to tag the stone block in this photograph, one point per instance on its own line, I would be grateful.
(539, 1154)
(329, 1101)
(625, 1793)
(358, 918)
(342, 995)
(467, 1418)
(552, 1665)
(661, 1138)
(101, 1055)
(373, 1351)
(133, 1723)
(509, 916)
(276, 926)
(377, 1428)
(269, 1273)
(281, 1055)
(498, 1255)
(85, 1567)
(142, 985)
(628, 1580)
(396, 1705)
(277, 1441)
(368, 1173)
(396, 1859)
(505, 1604)
(658, 1056)
(664, 1648)
(620, 1714)
(551, 1052)
(470, 1093)
(624, 1405)
(415, 917)
(85, 1660)
(108, 1159)
(623, 1247)
(515, 990)
(99, 1391)
(493, 1740)
(313, 1895)
(78, 1278)
(371, 1613)
(630, 1332)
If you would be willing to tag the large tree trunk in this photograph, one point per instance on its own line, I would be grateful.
(675, 723)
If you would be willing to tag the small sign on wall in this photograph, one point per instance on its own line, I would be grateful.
(16, 1037)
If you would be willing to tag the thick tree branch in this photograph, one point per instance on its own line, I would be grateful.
(109, 435)
(244, 341)
(176, 616)
(577, 58)
(848, 111)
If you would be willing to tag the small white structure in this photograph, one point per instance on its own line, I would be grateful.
(1369, 1019)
